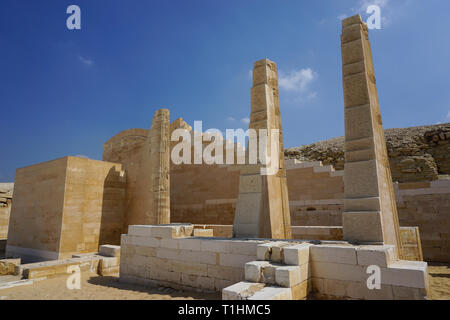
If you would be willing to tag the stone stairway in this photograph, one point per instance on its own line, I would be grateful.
(282, 272)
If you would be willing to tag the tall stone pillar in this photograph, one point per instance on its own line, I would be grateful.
(262, 208)
(370, 212)
(151, 202)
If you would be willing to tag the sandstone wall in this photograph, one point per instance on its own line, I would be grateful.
(199, 193)
(36, 211)
(93, 206)
(415, 154)
(65, 206)
(6, 190)
(203, 194)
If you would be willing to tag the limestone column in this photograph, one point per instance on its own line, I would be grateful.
(151, 202)
(370, 212)
(262, 208)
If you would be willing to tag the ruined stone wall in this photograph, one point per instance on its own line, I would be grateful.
(65, 206)
(6, 190)
(199, 193)
(126, 148)
(93, 206)
(316, 194)
(415, 153)
(204, 194)
(36, 211)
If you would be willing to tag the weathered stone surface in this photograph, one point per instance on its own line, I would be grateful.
(367, 173)
(415, 153)
(150, 203)
(262, 209)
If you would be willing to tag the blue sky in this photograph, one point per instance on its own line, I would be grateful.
(65, 92)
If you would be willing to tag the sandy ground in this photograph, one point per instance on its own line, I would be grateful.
(94, 287)
(439, 280)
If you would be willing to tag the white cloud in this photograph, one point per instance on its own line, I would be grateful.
(296, 80)
(85, 61)
(245, 120)
(448, 115)
(231, 119)
(81, 156)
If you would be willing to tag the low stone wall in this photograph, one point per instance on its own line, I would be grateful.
(168, 256)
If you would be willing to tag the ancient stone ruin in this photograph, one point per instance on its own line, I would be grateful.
(306, 230)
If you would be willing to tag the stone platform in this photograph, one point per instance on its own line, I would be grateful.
(168, 255)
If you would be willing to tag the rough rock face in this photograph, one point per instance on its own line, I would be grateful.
(6, 190)
(415, 153)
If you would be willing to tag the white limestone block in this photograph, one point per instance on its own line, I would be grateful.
(109, 250)
(253, 270)
(287, 276)
(413, 274)
(338, 271)
(297, 254)
(272, 293)
(241, 290)
(234, 260)
(189, 244)
(333, 254)
(381, 256)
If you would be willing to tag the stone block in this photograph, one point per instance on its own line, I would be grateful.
(140, 230)
(278, 252)
(413, 274)
(338, 271)
(381, 256)
(272, 293)
(356, 91)
(190, 244)
(109, 250)
(241, 290)
(199, 257)
(233, 274)
(234, 260)
(197, 281)
(333, 253)
(361, 180)
(362, 204)
(253, 270)
(287, 276)
(358, 122)
(203, 233)
(301, 290)
(364, 226)
(250, 183)
(169, 243)
(264, 251)
(190, 268)
(268, 274)
(407, 293)
(297, 254)
(144, 251)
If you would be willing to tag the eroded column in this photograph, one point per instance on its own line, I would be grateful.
(370, 212)
(262, 209)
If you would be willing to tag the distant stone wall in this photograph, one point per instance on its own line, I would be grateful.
(6, 191)
(415, 154)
